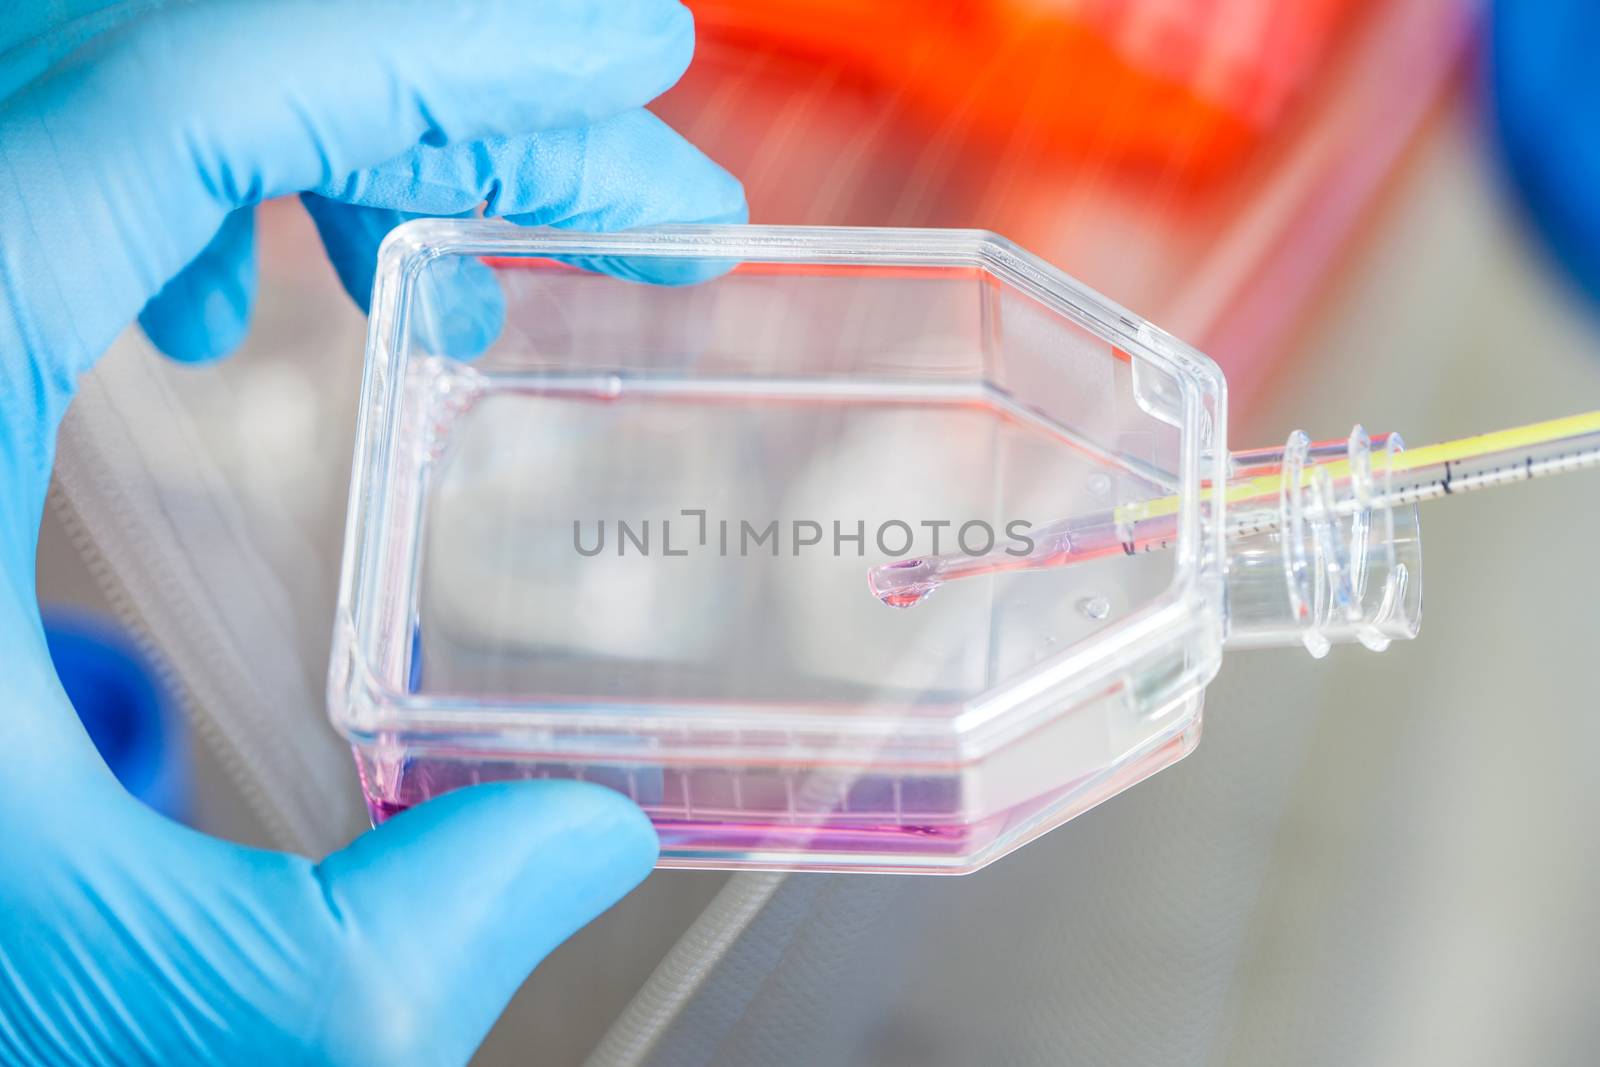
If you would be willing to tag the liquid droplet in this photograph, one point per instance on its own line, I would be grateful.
(902, 584)
(1099, 485)
(907, 598)
(1095, 607)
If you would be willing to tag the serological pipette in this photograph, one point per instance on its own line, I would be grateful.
(1259, 501)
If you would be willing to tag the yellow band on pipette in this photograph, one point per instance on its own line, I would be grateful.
(1484, 444)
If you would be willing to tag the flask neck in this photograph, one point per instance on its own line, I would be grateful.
(1326, 559)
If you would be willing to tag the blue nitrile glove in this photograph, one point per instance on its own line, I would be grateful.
(1544, 89)
(132, 141)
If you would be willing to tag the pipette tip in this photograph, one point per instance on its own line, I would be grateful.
(905, 583)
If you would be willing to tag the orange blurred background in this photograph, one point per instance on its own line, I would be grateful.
(1199, 161)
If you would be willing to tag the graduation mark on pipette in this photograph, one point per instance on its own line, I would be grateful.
(1251, 503)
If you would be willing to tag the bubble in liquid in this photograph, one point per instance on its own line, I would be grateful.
(1099, 484)
(1095, 607)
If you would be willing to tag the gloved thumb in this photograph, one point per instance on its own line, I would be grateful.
(450, 905)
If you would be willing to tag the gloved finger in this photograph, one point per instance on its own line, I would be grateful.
(627, 171)
(276, 98)
(458, 309)
(351, 236)
(204, 312)
(464, 895)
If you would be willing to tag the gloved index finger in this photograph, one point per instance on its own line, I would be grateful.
(630, 170)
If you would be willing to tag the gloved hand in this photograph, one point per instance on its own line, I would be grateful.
(133, 139)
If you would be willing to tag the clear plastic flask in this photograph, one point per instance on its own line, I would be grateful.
(616, 499)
